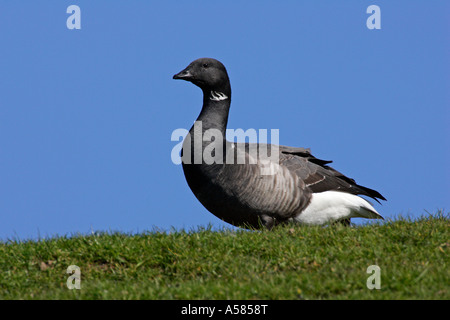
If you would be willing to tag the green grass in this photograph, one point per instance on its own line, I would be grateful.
(289, 262)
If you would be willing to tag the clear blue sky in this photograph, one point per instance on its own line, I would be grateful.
(86, 115)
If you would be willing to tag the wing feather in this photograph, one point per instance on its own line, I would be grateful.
(320, 177)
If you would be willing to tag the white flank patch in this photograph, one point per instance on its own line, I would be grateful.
(329, 206)
(218, 96)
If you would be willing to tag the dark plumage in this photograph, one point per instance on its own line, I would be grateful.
(303, 188)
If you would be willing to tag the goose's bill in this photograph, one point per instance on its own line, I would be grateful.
(184, 75)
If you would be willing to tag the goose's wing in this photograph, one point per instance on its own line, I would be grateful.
(263, 185)
(318, 176)
(285, 191)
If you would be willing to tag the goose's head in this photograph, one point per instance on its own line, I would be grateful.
(207, 73)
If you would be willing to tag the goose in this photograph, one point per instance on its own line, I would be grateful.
(300, 189)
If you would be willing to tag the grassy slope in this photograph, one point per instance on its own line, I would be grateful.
(289, 262)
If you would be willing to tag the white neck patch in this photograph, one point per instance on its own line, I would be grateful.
(218, 96)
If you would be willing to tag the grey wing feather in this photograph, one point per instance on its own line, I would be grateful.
(320, 177)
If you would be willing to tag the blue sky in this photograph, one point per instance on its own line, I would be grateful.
(86, 115)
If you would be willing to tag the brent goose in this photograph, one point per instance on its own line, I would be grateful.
(302, 189)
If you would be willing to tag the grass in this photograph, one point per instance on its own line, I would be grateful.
(289, 262)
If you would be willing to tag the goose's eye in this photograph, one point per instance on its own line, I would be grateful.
(205, 65)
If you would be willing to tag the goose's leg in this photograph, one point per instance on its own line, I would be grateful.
(344, 222)
(267, 221)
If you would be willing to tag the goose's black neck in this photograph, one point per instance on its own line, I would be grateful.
(216, 106)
